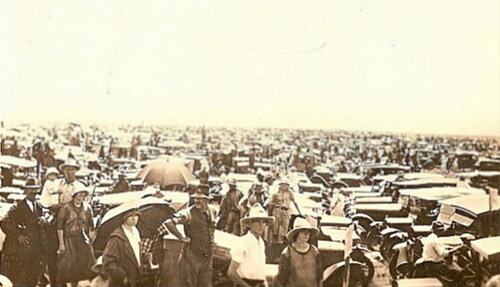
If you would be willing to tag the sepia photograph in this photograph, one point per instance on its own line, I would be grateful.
(342, 143)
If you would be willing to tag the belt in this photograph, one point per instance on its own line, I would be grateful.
(253, 282)
(282, 207)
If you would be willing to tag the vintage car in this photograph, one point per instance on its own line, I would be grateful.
(422, 203)
(475, 214)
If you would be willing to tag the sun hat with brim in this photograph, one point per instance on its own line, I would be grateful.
(52, 170)
(257, 212)
(284, 182)
(69, 163)
(31, 184)
(301, 224)
(129, 208)
(79, 191)
(201, 194)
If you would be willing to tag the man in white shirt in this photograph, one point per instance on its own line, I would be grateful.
(68, 184)
(248, 258)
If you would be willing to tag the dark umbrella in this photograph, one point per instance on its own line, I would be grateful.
(153, 212)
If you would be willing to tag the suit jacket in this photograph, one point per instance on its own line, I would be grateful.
(22, 221)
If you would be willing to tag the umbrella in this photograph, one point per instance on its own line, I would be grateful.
(166, 173)
(153, 212)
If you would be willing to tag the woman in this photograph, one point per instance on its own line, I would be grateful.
(74, 229)
(123, 259)
(300, 261)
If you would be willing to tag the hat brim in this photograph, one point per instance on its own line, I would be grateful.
(247, 220)
(200, 195)
(291, 234)
(64, 165)
(81, 191)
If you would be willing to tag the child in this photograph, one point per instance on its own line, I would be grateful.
(50, 191)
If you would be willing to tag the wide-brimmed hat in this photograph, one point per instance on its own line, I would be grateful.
(232, 181)
(257, 212)
(301, 224)
(51, 170)
(80, 191)
(31, 184)
(284, 182)
(69, 163)
(130, 207)
(202, 192)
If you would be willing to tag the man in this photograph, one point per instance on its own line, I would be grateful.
(22, 260)
(434, 254)
(279, 206)
(69, 183)
(122, 185)
(199, 227)
(248, 259)
(229, 211)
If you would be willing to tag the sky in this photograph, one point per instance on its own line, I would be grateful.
(422, 66)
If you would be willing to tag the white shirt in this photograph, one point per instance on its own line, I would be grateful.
(31, 205)
(66, 189)
(50, 193)
(250, 253)
(134, 239)
(434, 250)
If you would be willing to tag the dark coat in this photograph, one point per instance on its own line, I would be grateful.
(119, 260)
(23, 264)
(22, 221)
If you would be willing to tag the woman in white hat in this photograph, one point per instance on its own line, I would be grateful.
(248, 258)
(74, 228)
(300, 263)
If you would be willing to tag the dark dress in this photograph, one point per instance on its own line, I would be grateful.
(300, 269)
(75, 263)
(22, 264)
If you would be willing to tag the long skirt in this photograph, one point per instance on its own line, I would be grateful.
(74, 265)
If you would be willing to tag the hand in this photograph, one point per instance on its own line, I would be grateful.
(125, 281)
(92, 235)
(149, 256)
(62, 249)
(186, 240)
(24, 240)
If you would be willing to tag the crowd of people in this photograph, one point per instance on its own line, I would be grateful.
(58, 243)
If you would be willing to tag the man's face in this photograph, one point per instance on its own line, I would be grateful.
(258, 226)
(69, 172)
(30, 193)
(201, 203)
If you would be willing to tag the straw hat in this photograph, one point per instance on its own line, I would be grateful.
(80, 191)
(232, 181)
(257, 212)
(284, 182)
(69, 163)
(301, 224)
(201, 192)
(130, 207)
(52, 170)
